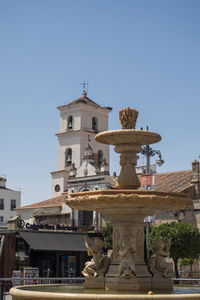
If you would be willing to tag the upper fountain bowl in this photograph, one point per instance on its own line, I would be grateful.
(128, 136)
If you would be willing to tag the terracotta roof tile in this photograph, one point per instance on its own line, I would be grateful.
(177, 182)
(52, 202)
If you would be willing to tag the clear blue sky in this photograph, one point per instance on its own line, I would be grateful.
(136, 53)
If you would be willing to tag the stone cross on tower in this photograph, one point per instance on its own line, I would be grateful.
(84, 85)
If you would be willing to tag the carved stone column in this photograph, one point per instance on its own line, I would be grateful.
(128, 270)
(128, 160)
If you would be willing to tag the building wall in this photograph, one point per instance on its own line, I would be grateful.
(60, 179)
(82, 118)
(95, 146)
(64, 115)
(8, 195)
(76, 139)
(71, 140)
(87, 115)
(26, 215)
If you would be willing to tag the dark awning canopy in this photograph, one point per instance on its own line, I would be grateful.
(54, 241)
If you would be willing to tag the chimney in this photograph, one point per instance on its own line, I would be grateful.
(195, 178)
(195, 172)
(2, 182)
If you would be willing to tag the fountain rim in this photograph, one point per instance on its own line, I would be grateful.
(116, 191)
(142, 202)
(19, 293)
(103, 137)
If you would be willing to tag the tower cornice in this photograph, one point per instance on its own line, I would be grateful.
(71, 132)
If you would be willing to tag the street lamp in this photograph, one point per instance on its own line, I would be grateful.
(148, 220)
(149, 152)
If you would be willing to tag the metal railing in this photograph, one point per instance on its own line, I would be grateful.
(186, 281)
(7, 283)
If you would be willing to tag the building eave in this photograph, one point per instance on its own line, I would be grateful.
(71, 132)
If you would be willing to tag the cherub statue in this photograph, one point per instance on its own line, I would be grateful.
(127, 265)
(157, 264)
(99, 264)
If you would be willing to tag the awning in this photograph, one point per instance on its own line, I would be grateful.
(54, 241)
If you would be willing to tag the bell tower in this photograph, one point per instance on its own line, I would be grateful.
(79, 119)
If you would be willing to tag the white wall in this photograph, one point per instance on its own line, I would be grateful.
(77, 138)
(59, 178)
(69, 141)
(8, 195)
(26, 215)
(64, 115)
(95, 146)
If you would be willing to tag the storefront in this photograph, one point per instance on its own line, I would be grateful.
(56, 254)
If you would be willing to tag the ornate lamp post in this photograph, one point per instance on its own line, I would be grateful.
(149, 152)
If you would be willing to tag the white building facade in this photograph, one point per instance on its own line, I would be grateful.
(80, 120)
(83, 164)
(9, 201)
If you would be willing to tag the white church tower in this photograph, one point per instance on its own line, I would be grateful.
(80, 121)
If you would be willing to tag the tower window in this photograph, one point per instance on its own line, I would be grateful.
(100, 157)
(94, 124)
(68, 157)
(57, 188)
(70, 122)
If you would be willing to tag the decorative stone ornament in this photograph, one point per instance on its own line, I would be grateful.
(126, 253)
(128, 117)
(158, 264)
(96, 268)
(99, 264)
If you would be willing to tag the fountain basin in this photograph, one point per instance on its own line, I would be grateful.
(71, 292)
(127, 209)
(123, 201)
(128, 136)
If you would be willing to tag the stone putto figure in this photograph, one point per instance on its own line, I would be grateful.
(158, 265)
(99, 264)
(127, 268)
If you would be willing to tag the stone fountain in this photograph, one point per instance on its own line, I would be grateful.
(127, 206)
(125, 271)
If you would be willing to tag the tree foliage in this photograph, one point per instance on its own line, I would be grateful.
(185, 240)
(107, 234)
(187, 261)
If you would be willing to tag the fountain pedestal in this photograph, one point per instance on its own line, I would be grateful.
(128, 270)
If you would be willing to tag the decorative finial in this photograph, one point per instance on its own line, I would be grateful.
(128, 117)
